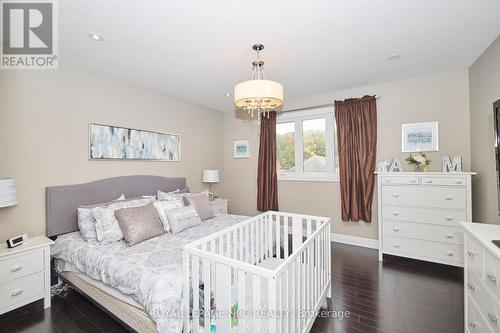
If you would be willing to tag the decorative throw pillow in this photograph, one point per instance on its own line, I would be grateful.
(185, 196)
(162, 206)
(106, 226)
(202, 206)
(86, 223)
(182, 218)
(139, 223)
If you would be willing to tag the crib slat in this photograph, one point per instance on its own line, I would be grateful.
(187, 323)
(270, 237)
(256, 303)
(309, 228)
(278, 235)
(223, 297)
(257, 241)
(195, 262)
(285, 236)
(296, 233)
(206, 295)
(293, 308)
(248, 258)
(271, 289)
(242, 323)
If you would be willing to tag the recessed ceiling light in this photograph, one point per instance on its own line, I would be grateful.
(395, 57)
(228, 94)
(96, 37)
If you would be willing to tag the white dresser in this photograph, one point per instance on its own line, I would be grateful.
(419, 215)
(25, 274)
(481, 278)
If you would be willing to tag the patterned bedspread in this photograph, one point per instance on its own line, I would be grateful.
(150, 272)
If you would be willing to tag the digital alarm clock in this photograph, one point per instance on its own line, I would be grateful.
(16, 241)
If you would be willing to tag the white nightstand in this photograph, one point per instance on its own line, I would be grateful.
(25, 273)
(220, 205)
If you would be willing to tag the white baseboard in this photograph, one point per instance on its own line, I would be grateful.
(353, 240)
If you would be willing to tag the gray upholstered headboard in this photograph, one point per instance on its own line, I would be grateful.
(62, 201)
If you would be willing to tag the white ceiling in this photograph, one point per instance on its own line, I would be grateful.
(198, 50)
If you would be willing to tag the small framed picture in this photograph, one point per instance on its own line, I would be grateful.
(242, 148)
(420, 137)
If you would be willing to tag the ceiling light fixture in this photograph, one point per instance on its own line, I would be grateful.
(258, 95)
(96, 37)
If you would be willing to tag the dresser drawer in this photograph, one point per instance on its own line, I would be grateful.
(492, 273)
(21, 265)
(428, 197)
(400, 180)
(476, 323)
(423, 248)
(446, 181)
(422, 215)
(438, 233)
(487, 305)
(22, 289)
(474, 253)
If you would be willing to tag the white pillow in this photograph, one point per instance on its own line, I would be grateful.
(170, 196)
(162, 206)
(86, 222)
(106, 226)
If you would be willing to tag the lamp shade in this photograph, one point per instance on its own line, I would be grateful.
(210, 176)
(8, 196)
(250, 92)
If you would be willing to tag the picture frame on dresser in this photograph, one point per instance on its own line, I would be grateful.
(419, 215)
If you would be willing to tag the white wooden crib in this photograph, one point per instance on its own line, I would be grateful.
(251, 285)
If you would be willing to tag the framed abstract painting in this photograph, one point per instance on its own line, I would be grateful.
(420, 137)
(120, 143)
(241, 148)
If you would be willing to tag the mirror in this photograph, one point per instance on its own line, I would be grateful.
(496, 119)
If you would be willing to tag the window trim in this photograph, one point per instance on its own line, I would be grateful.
(298, 117)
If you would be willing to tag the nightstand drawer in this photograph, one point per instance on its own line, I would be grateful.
(21, 289)
(21, 265)
(219, 207)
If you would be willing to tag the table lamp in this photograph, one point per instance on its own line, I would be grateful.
(211, 177)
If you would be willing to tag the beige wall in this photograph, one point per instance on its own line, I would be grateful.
(484, 77)
(43, 135)
(443, 97)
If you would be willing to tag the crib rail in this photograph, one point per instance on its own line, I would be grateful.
(266, 274)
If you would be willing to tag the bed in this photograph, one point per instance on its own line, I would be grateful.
(165, 283)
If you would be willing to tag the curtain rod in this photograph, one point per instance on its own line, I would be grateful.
(318, 106)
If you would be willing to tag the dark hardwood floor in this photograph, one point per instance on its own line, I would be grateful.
(399, 295)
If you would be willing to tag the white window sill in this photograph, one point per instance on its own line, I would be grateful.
(308, 178)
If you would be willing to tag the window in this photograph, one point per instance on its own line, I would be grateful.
(306, 147)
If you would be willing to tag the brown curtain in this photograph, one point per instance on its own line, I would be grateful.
(357, 140)
(267, 178)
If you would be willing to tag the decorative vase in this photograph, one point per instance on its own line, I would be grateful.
(425, 168)
(421, 168)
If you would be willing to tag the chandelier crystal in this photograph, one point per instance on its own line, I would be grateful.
(258, 95)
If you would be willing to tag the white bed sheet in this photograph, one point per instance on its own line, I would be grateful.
(149, 272)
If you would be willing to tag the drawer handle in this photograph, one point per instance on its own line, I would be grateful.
(395, 213)
(412, 181)
(449, 197)
(449, 218)
(428, 181)
(17, 293)
(449, 254)
(395, 195)
(470, 286)
(493, 318)
(387, 180)
(449, 236)
(396, 246)
(491, 277)
(395, 229)
(470, 253)
(458, 182)
(16, 268)
(472, 324)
